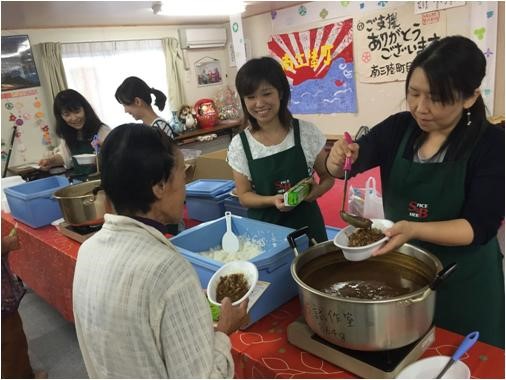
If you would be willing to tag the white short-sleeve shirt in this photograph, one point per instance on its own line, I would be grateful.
(312, 141)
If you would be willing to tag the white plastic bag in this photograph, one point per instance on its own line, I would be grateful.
(373, 203)
(367, 201)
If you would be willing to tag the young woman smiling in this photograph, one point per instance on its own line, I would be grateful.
(442, 170)
(276, 151)
(76, 125)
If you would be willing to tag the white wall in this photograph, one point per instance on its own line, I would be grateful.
(31, 136)
(374, 101)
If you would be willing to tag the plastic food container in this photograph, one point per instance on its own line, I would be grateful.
(6, 183)
(33, 203)
(248, 269)
(86, 159)
(205, 198)
(273, 262)
(364, 252)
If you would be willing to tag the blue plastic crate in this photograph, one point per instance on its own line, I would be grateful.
(209, 188)
(233, 205)
(32, 202)
(332, 232)
(273, 262)
(205, 209)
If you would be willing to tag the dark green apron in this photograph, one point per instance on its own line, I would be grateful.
(80, 172)
(472, 298)
(274, 175)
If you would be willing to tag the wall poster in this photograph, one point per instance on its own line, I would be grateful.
(319, 66)
(387, 41)
(208, 71)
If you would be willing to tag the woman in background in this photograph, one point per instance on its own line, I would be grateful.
(135, 96)
(276, 151)
(76, 125)
(442, 169)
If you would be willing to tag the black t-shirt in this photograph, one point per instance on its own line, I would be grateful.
(483, 206)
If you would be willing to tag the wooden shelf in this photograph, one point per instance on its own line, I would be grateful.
(222, 127)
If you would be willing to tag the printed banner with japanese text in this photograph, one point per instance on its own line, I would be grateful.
(319, 66)
(387, 41)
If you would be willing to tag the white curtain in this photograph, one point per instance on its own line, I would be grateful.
(175, 70)
(51, 65)
(96, 69)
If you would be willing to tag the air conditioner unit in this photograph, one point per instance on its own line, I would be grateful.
(197, 38)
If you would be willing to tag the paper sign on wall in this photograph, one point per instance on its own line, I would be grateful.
(429, 6)
(319, 65)
(387, 41)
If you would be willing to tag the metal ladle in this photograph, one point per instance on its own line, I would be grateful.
(354, 220)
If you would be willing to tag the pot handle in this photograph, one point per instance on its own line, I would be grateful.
(296, 234)
(93, 197)
(96, 190)
(443, 275)
(419, 299)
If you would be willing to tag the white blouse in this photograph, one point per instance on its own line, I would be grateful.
(312, 141)
(64, 151)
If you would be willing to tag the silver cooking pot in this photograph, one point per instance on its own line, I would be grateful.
(367, 324)
(82, 204)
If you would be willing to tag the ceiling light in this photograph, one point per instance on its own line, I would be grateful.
(198, 7)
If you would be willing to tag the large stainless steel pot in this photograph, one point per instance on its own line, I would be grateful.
(364, 324)
(83, 204)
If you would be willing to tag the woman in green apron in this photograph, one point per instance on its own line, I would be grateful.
(276, 151)
(76, 125)
(442, 169)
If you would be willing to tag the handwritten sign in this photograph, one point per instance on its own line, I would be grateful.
(429, 6)
(330, 322)
(319, 66)
(387, 42)
(17, 94)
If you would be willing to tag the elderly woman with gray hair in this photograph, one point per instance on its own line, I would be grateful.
(139, 309)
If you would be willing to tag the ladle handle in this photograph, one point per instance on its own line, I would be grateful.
(347, 161)
(468, 342)
(443, 275)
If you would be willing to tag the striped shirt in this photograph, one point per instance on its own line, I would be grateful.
(164, 126)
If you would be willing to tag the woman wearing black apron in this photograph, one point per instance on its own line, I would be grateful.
(276, 151)
(76, 125)
(442, 169)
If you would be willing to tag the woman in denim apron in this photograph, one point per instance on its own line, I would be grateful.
(276, 151)
(442, 169)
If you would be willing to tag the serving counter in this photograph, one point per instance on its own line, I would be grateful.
(46, 263)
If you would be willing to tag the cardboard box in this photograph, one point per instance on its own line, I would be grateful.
(212, 166)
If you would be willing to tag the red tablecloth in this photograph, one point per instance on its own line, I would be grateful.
(263, 351)
(46, 263)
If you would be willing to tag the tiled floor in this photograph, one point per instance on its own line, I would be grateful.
(52, 341)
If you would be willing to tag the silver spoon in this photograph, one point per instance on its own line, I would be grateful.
(354, 220)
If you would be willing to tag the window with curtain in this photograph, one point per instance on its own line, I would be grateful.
(96, 69)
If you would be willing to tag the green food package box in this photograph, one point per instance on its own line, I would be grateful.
(297, 193)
